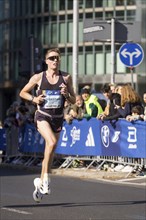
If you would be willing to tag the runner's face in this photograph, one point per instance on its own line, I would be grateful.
(53, 60)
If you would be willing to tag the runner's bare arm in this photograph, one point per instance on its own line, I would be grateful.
(25, 93)
(70, 94)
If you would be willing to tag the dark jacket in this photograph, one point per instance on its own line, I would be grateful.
(114, 114)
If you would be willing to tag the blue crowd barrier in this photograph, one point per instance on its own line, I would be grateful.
(90, 138)
(2, 139)
(103, 138)
(30, 140)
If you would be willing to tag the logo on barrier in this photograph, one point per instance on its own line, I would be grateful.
(75, 134)
(90, 139)
(64, 137)
(115, 137)
(132, 137)
(105, 135)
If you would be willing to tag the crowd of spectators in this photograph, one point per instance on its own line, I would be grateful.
(122, 101)
(17, 115)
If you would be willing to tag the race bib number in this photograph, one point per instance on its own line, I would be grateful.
(53, 99)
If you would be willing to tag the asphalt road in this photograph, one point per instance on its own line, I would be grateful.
(71, 199)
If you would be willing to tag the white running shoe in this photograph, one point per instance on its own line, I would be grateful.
(45, 187)
(37, 195)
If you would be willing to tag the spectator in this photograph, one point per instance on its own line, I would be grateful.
(1, 125)
(67, 108)
(144, 98)
(93, 108)
(113, 87)
(136, 114)
(144, 105)
(75, 111)
(129, 99)
(12, 131)
(22, 115)
(110, 112)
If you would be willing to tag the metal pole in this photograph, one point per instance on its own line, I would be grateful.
(131, 70)
(113, 50)
(75, 45)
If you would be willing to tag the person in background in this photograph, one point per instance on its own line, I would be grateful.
(137, 114)
(144, 98)
(93, 108)
(113, 87)
(67, 108)
(53, 88)
(110, 112)
(79, 107)
(75, 111)
(129, 99)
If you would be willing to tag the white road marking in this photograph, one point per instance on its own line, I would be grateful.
(17, 211)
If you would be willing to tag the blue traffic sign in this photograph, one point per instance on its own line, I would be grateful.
(131, 54)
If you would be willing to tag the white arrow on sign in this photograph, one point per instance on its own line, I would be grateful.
(136, 53)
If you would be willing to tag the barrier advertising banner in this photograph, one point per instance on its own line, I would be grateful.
(88, 138)
(103, 138)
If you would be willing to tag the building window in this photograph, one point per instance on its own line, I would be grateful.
(120, 66)
(81, 65)
(131, 2)
(98, 3)
(99, 63)
(119, 2)
(120, 15)
(108, 63)
(89, 64)
(70, 32)
(53, 33)
(69, 4)
(89, 3)
(46, 39)
(69, 64)
(39, 6)
(46, 5)
(63, 63)
(62, 33)
(109, 3)
(131, 15)
(54, 5)
(109, 14)
(89, 15)
(99, 15)
(80, 31)
(62, 5)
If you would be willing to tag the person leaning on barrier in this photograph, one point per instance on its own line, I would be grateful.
(110, 112)
(129, 99)
(93, 108)
(137, 114)
(75, 111)
(53, 88)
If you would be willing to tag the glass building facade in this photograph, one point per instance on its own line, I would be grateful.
(51, 23)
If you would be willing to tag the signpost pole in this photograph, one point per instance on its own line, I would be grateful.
(75, 45)
(113, 50)
(132, 81)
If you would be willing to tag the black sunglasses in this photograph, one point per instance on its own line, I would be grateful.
(54, 58)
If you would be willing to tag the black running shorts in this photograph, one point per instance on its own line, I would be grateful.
(55, 123)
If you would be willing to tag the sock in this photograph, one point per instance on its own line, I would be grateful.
(46, 176)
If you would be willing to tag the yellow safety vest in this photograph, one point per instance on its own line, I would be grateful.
(93, 99)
